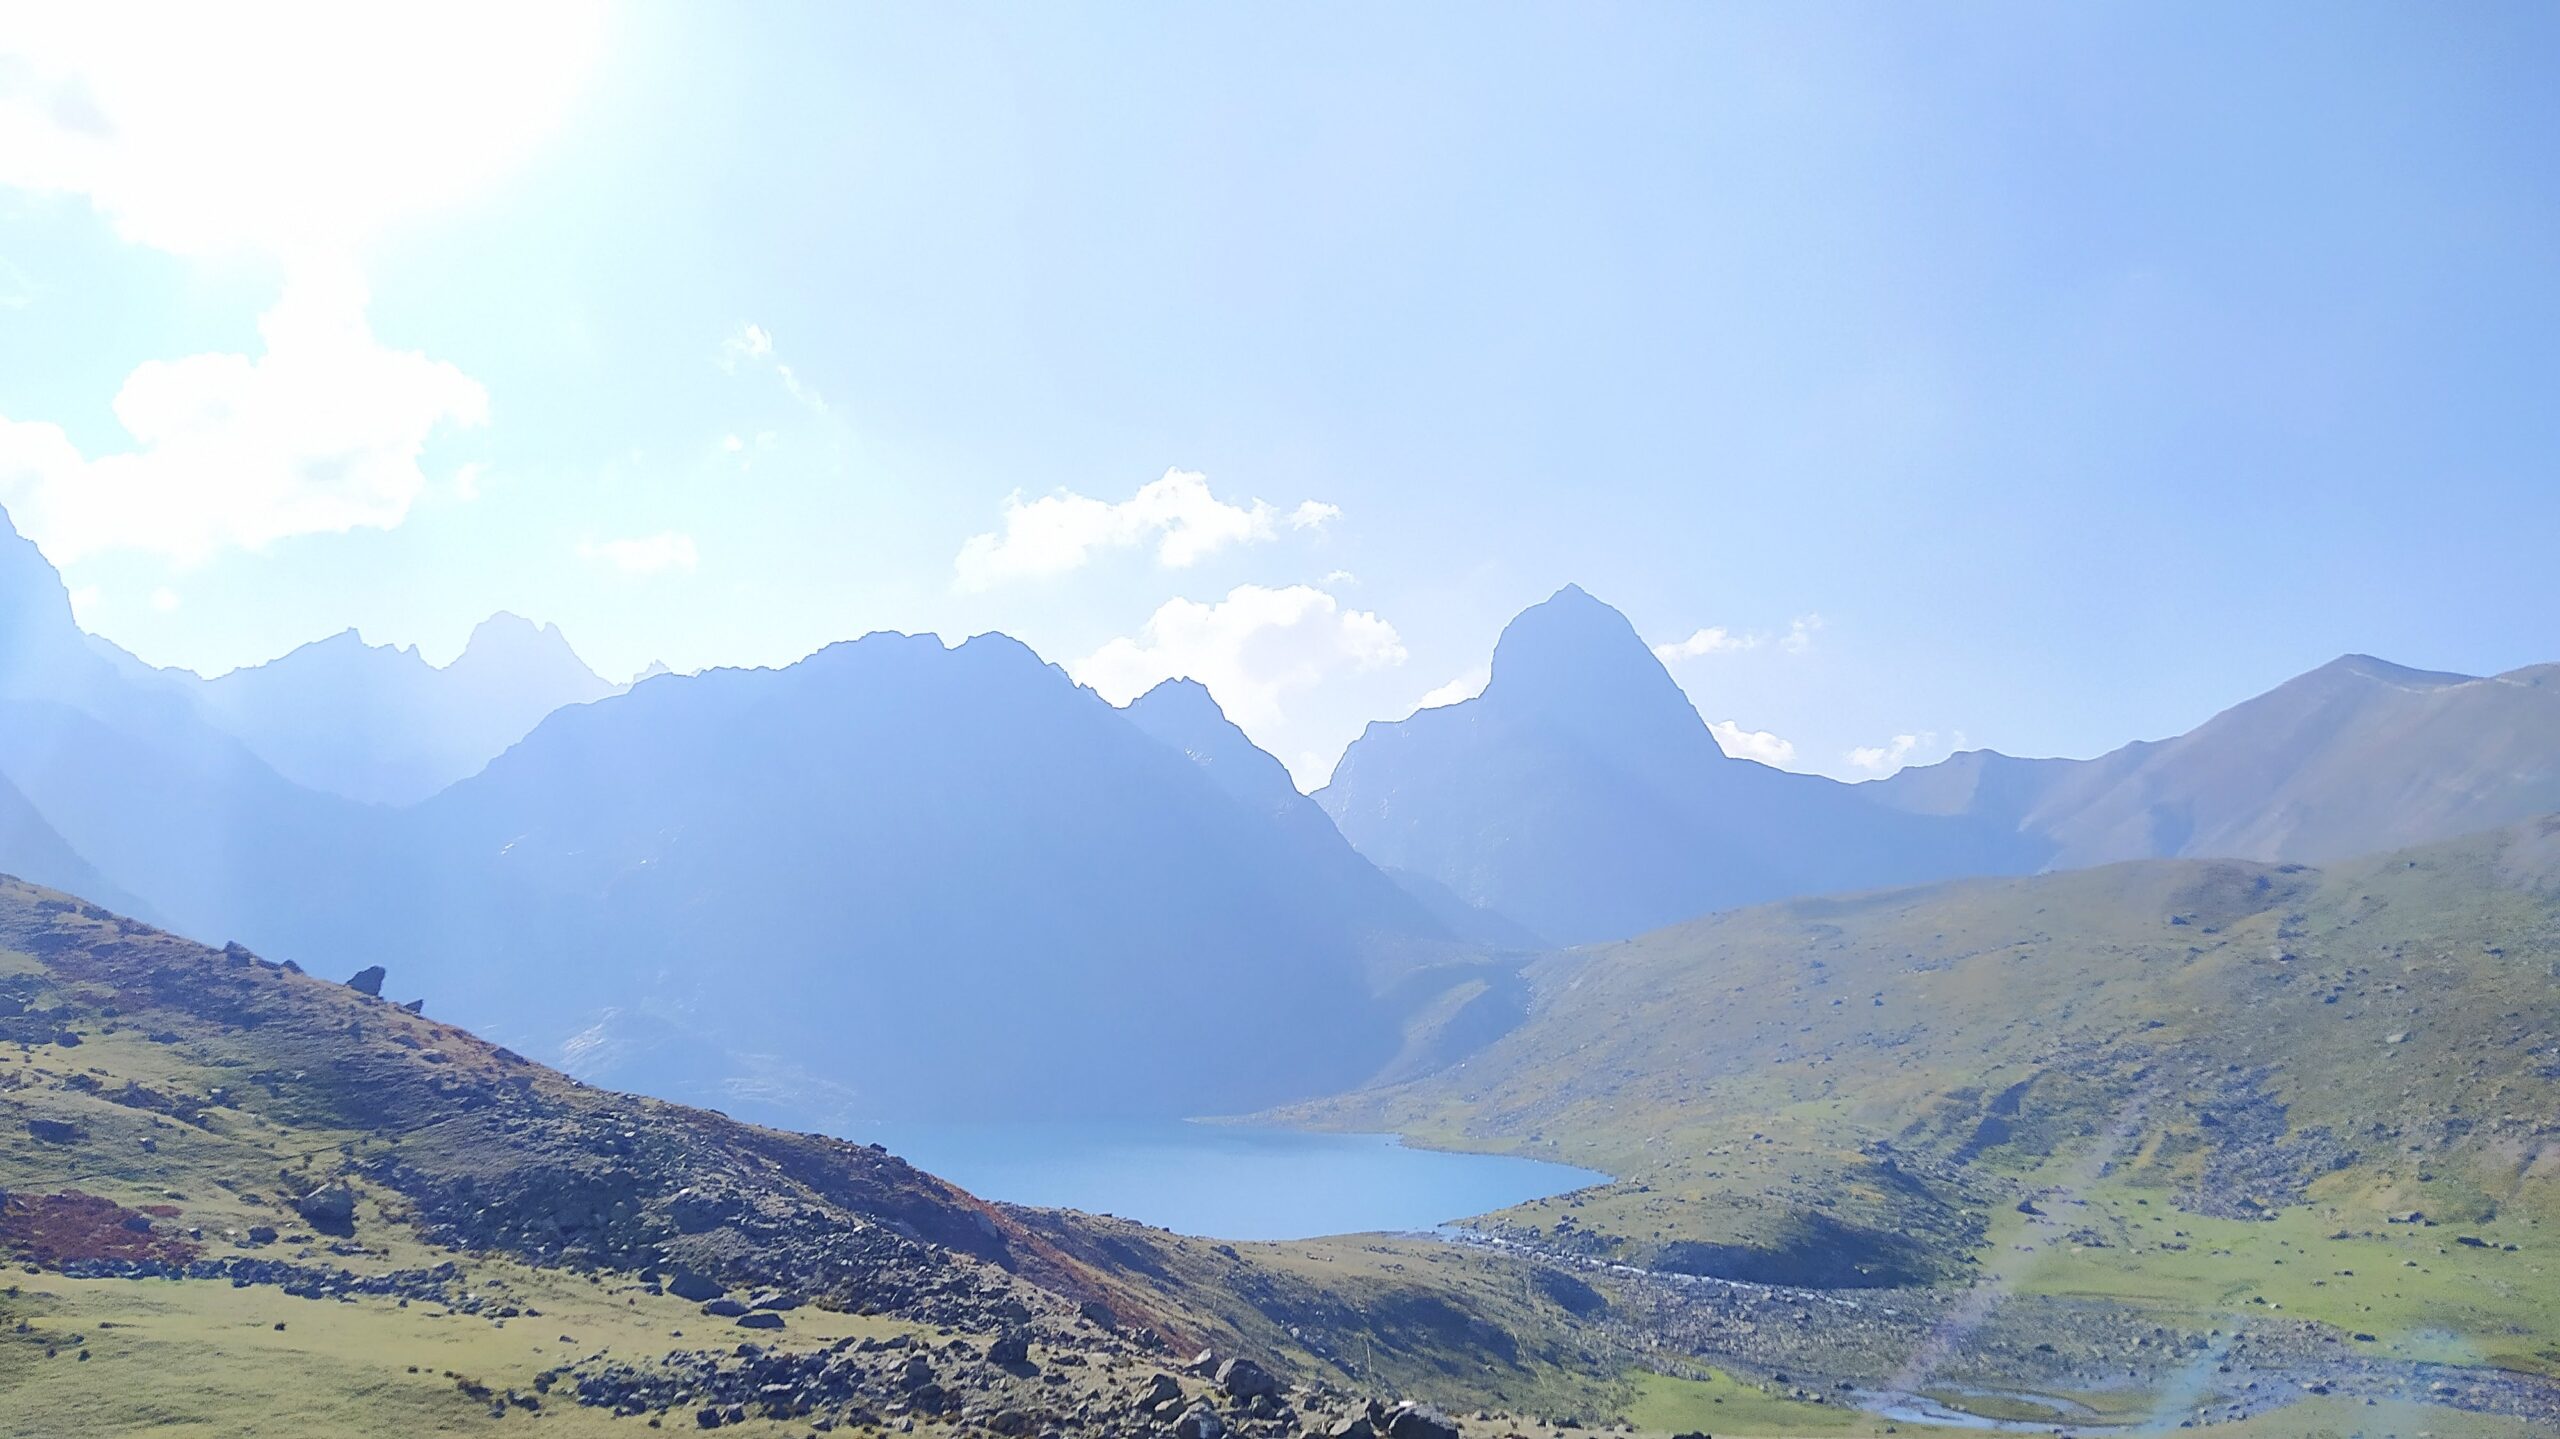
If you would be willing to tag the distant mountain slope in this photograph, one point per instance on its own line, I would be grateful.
(32, 851)
(2356, 756)
(373, 722)
(811, 891)
(130, 773)
(797, 891)
(1581, 797)
(1793, 1089)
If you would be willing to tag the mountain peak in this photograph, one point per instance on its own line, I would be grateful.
(1571, 655)
(509, 630)
(537, 656)
(2363, 666)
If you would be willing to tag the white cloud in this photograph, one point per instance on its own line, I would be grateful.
(291, 131)
(1717, 640)
(321, 433)
(752, 346)
(280, 129)
(1754, 744)
(1176, 512)
(1252, 649)
(164, 599)
(1713, 640)
(647, 555)
(1465, 687)
(1893, 754)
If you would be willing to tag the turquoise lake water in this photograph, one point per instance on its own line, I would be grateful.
(1226, 1181)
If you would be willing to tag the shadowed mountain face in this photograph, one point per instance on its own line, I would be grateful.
(372, 722)
(2356, 756)
(891, 879)
(129, 772)
(1581, 797)
(31, 850)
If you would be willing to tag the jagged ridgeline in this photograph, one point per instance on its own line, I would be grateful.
(251, 1201)
(795, 893)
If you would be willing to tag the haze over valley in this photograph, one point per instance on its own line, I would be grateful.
(1331, 723)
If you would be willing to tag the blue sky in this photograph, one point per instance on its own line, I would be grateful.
(2038, 377)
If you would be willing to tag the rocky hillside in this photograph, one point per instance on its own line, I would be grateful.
(253, 1200)
(1838, 1090)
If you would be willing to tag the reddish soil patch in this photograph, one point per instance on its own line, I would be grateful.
(56, 1229)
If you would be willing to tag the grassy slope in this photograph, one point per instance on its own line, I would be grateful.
(2336, 1045)
(219, 1086)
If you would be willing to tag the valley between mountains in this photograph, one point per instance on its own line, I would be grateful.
(366, 1069)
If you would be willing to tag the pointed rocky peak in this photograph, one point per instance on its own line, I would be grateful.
(1574, 661)
(512, 649)
(655, 669)
(1183, 714)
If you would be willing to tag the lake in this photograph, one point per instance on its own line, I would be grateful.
(1224, 1181)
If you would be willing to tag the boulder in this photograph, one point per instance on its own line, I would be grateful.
(1244, 1379)
(1354, 1425)
(724, 1309)
(331, 1207)
(55, 1131)
(760, 1319)
(368, 980)
(688, 1285)
(1160, 1391)
(1011, 1349)
(1199, 1422)
(1421, 1422)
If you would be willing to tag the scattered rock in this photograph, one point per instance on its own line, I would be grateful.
(368, 980)
(1199, 1422)
(331, 1208)
(1244, 1379)
(1421, 1422)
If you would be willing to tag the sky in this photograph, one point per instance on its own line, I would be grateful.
(1914, 377)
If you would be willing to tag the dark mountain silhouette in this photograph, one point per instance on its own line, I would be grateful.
(892, 878)
(1581, 797)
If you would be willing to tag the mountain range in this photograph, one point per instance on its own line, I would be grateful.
(691, 886)
(375, 722)
(1582, 798)
(2356, 756)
